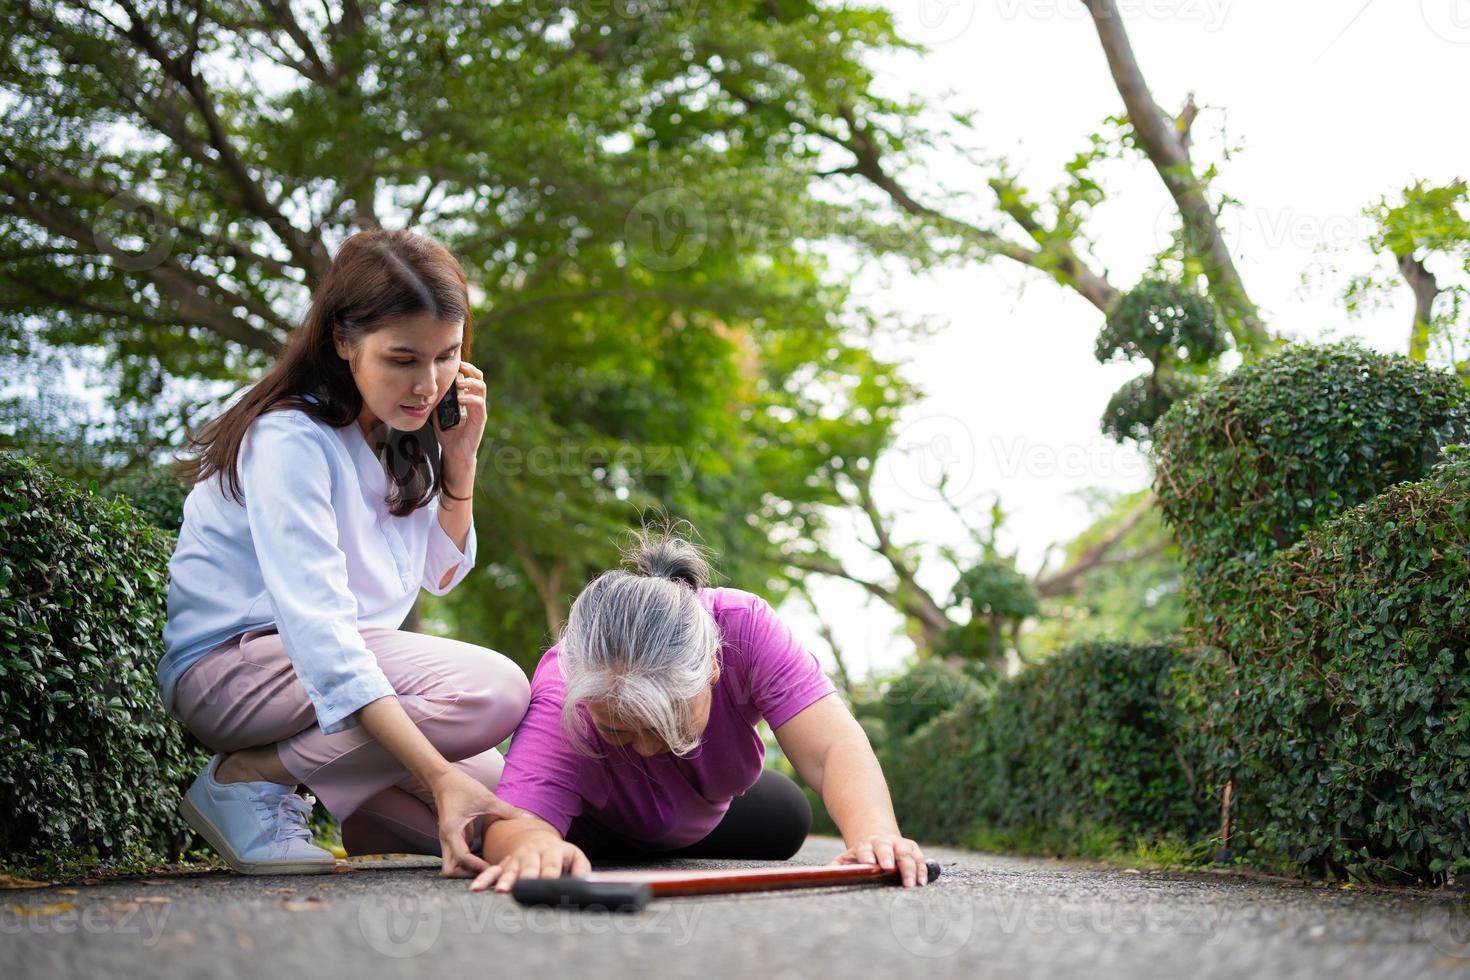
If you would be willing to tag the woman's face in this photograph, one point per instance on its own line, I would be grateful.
(408, 363)
(620, 731)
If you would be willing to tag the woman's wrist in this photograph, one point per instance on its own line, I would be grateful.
(459, 476)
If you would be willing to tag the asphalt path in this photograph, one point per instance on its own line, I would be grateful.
(988, 916)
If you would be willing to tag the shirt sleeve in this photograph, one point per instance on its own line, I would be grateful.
(287, 483)
(443, 555)
(543, 773)
(783, 677)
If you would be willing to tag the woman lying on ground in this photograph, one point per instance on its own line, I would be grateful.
(641, 737)
(323, 500)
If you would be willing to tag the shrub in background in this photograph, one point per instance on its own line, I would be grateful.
(155, 493)
(905, 703)
(92, 767)
(1079, 754)
(1282, 444)
(1336, 693)
(1328, 609)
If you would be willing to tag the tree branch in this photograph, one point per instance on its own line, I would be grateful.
(1066, 581)
(307, 248)
(1165, 143)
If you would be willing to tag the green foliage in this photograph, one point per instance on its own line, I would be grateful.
(1134, 597)
(1073, 755)
(1426, 233)
(1135, 407)
(998, 598)
(1176, 331)
(899, 707)
(1163, 323)
(92, 767)
(632, 206)
(1334, 683)
(155, 493)
(1260, 456)
(993, 587)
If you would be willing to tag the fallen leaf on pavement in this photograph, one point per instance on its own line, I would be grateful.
(175, 940)
(311, 904)
(10, 881)
(55, 908)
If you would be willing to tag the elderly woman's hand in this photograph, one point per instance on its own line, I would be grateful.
(889, 851)
(538, 856)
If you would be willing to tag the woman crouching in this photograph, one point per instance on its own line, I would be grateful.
(641, 741)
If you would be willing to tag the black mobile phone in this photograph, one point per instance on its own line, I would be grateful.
(448, 407)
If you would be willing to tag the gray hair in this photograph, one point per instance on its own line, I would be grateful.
(639, 641)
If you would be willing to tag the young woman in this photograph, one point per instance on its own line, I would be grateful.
(323, 500)
(641, 735)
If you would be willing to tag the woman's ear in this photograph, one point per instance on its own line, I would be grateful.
(714, 677)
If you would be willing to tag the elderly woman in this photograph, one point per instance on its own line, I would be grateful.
(641, 740)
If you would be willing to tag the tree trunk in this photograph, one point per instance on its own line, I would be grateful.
(1165, 142)
(1426, 291)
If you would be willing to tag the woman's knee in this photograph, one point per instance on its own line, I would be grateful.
(491, 695)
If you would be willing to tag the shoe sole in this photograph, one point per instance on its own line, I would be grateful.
(220, 843)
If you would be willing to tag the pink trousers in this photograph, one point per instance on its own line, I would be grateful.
(466, 699)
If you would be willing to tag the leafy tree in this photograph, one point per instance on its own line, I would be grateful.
(1174, 330)
(1425, 236)
(656, 330)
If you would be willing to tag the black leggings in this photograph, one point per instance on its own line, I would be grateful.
(769, 822)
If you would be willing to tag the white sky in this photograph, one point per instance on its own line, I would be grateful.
(1333, 104)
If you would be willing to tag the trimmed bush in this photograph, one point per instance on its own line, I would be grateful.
(92, 767)
(1336, 690)
(1277, 447)
(1079, 754)
(910, 700)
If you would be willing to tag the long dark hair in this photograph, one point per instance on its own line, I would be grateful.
(375, 275)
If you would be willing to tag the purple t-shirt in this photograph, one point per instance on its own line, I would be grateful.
(665, 801)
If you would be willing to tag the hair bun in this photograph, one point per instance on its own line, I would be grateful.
(662, 552)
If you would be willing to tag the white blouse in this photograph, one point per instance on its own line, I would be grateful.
(313, 550)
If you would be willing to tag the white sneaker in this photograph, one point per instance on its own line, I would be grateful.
(259, 828)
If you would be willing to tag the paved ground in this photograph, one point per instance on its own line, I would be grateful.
(989, 916)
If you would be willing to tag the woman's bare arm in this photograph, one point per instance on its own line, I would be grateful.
(527, 847)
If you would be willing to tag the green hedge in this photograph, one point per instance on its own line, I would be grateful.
(1280, 445)
(1079, 754)
(92, 767)
(1337, 689)
(904, 704)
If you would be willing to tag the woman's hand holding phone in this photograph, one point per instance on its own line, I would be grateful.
(459, 445)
